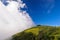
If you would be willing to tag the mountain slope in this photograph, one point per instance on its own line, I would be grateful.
(39, 33)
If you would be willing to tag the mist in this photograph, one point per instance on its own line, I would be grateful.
(13, 19)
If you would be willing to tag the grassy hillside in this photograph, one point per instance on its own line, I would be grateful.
(39, 33)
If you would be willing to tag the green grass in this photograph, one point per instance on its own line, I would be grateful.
(39, 33)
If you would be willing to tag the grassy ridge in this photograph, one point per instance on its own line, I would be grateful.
(39, 33)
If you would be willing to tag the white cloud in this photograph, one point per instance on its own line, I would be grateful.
(12, 20)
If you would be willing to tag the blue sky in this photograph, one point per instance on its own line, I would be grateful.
(45, 12)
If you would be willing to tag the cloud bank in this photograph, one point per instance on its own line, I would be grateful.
(13, 20)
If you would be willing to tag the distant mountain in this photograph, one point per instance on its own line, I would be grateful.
(39, 33)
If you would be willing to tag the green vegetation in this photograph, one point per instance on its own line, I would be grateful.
(39, 33)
